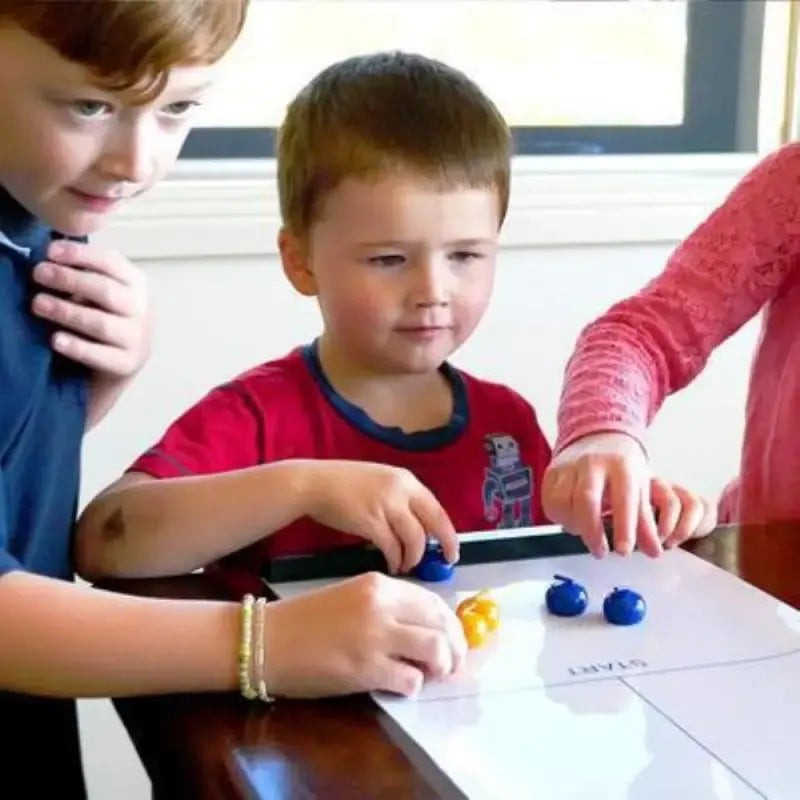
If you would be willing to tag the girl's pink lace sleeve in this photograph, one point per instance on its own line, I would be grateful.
(652, 344)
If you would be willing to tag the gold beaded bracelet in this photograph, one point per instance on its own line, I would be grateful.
(245, 686)
(251, 664)
(260, 683)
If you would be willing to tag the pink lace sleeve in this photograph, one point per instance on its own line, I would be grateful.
(652, 344)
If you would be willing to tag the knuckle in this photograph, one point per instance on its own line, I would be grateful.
(584, 496)
(70, 314)
(68, 249)
(102, 329)
(65, 279)
(107, 294)
(406, 478)
(407, 682)
(372, 586)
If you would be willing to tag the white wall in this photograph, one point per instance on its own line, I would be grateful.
(579, 236)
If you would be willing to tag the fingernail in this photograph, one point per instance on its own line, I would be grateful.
(42, 304)
(43, 271)
(56, 249)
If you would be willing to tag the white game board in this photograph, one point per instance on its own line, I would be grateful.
(701, 700)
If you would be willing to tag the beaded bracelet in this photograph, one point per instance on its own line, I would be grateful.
(245, 686)
(247, 667)
(261, 685)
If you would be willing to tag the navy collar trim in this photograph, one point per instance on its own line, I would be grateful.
(419, 441)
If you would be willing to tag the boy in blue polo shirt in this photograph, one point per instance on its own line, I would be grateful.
(88, 122)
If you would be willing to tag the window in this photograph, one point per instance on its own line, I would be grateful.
(599, 76)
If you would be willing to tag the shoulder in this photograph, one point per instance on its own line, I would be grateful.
(779, 171)
(273, 382)
(496, 398)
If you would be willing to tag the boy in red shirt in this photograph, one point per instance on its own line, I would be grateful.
(393, 174)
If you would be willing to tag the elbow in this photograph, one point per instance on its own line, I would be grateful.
(89, 543)
(101, 541)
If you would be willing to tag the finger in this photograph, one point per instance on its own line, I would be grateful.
(397, 676)
(95, 288)
(557, 497)
(92, 323)
(436, 523)
(429, 611)
(668, 504)
(380, 533)
(95, 258)
(692, 513)
(625, 501)
(408, 532)
(102, 357)
(587, 509)
(421, 608)
(415, 604)
(646, 529)
(709, 521)
(426, 648)
(557, 489)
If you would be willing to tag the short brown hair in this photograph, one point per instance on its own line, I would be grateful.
(131, 44)
(388, 112)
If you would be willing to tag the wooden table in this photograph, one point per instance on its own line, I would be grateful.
(215, 746)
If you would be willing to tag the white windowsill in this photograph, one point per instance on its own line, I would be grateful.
(230, 208)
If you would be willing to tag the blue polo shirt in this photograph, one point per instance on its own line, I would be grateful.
(42, 421)
(42, 413)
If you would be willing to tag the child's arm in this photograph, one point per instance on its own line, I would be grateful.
(146, 527)
(103, 322)
(655, 343)
(66, 640)
(368, 633)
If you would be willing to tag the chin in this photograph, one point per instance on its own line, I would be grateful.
(75, 223)
(421, 366)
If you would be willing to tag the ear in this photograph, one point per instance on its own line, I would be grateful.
(295, 262)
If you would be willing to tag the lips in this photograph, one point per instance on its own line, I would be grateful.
(423, 328)
(96, 202)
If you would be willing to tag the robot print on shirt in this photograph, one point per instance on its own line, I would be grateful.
(508, 484)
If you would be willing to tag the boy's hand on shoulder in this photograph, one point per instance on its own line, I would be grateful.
(369, 633)
(98, 301)
(388, 506)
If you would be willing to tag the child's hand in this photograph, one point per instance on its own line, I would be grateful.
(611, 470)
(386, 505)
(682, 514)
(103, 321)
(370, 633)
(598, 469)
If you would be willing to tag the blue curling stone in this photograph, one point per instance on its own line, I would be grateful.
(433, 567)
(566, 598)
(624, 607)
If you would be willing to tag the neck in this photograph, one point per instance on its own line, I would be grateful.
(17, 223)
(411, 402)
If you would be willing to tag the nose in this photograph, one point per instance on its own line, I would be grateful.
(129, 155)
(431, 282)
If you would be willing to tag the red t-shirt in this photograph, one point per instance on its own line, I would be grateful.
(484, 466)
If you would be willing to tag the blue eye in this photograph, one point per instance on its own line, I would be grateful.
(180, 108)
(90, 109)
